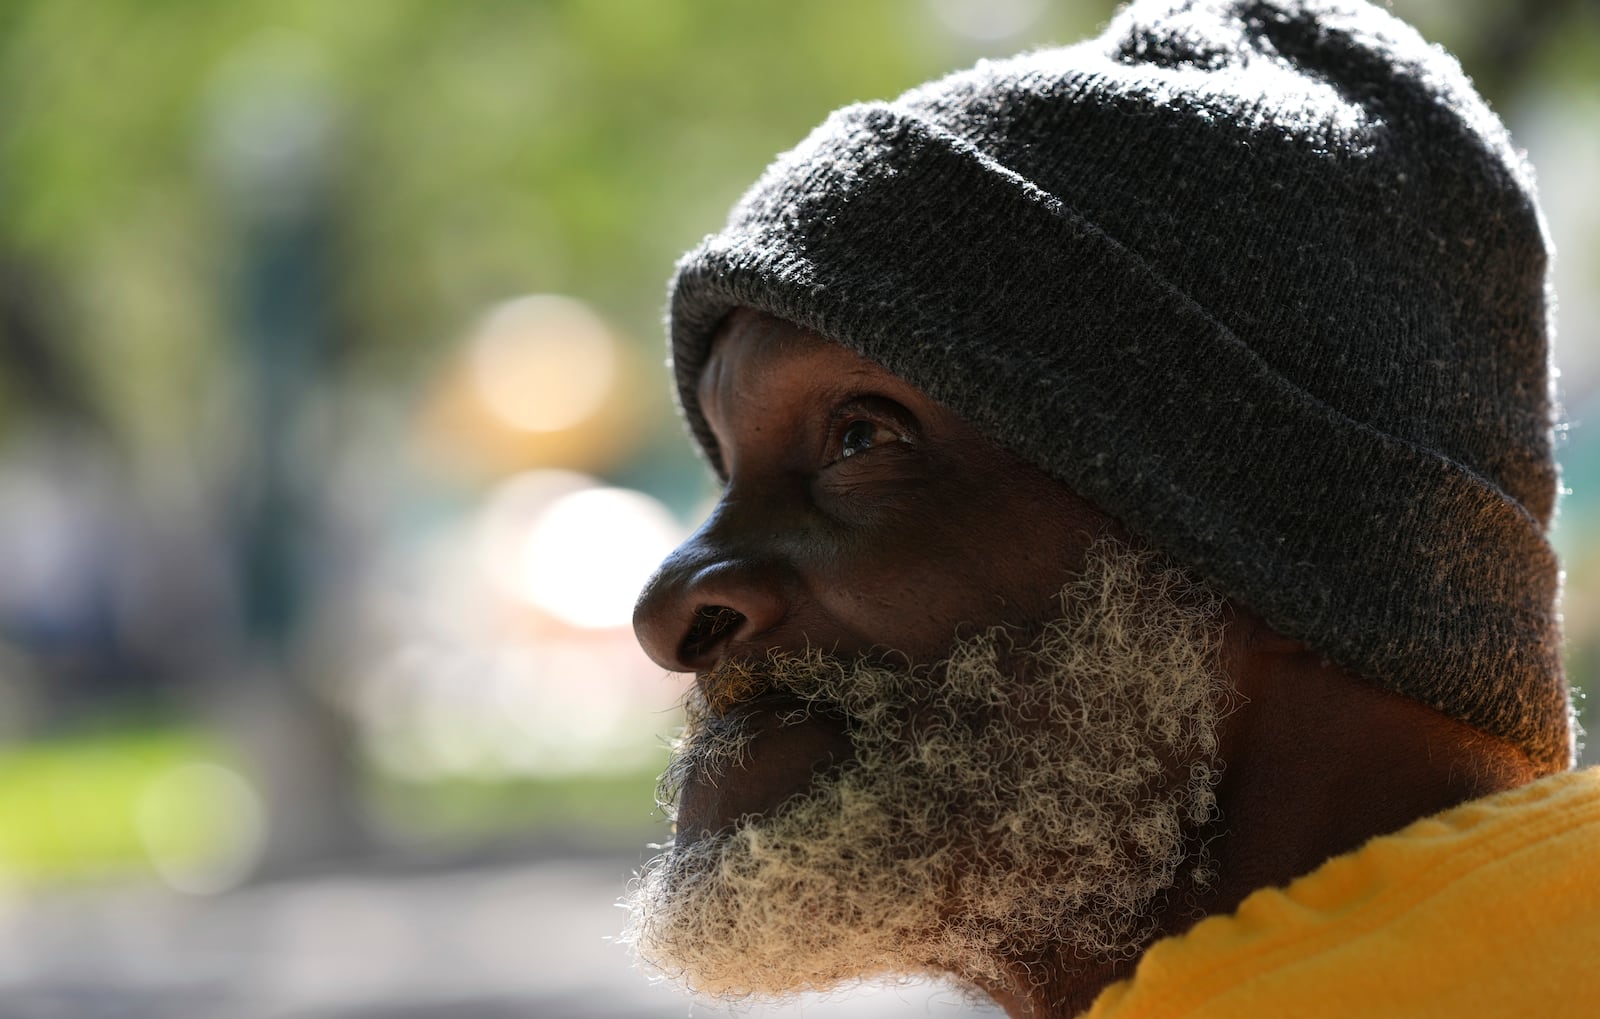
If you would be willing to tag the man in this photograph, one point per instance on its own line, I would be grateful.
(1130, 588)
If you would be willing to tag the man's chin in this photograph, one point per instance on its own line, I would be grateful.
(778, 903)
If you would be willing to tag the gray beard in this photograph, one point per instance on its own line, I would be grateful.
(1019, 799)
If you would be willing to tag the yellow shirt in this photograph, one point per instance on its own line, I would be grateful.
(1489, 909)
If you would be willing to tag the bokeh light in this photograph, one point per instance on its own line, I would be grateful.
(588, 554)
(539, 381)
(203, 826)
(574, 549)
(506, 519)
(543, 363)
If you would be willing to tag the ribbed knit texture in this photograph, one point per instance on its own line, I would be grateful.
(1264, 280)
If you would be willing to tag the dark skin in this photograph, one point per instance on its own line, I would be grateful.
(859, 514)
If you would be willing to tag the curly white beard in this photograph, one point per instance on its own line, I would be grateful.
(1009, 802)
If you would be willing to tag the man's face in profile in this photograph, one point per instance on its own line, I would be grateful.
(944, 718)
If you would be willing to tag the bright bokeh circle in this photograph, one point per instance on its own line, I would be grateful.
(543, 363)
(588, 554)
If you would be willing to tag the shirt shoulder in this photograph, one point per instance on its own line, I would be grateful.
(1489, 909)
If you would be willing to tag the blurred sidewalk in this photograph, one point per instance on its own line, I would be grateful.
(525, 941)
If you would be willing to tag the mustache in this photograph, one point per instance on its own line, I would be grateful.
(808, 676)
(816, 680)
(734, 682)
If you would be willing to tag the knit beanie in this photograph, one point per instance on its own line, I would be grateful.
(1263, 279)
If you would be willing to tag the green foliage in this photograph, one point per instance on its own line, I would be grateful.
(69, 807)
(480, 150)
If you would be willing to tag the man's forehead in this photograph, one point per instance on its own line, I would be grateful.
(754, 352)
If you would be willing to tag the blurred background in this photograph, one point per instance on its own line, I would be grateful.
(335, 442)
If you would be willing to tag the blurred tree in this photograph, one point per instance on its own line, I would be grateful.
(272, 145)
(493, 148)
(38, 370)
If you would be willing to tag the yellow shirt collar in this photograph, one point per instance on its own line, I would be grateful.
(1489, 909)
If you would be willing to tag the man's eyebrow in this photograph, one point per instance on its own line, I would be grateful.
(755, 374)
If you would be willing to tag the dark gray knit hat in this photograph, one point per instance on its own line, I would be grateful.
(1264, 280)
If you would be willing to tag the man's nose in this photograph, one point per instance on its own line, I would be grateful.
(709, 594)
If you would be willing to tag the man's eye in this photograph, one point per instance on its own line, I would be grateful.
(867, 423)
(860, 435)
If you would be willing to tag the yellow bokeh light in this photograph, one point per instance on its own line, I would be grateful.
(543, 363)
